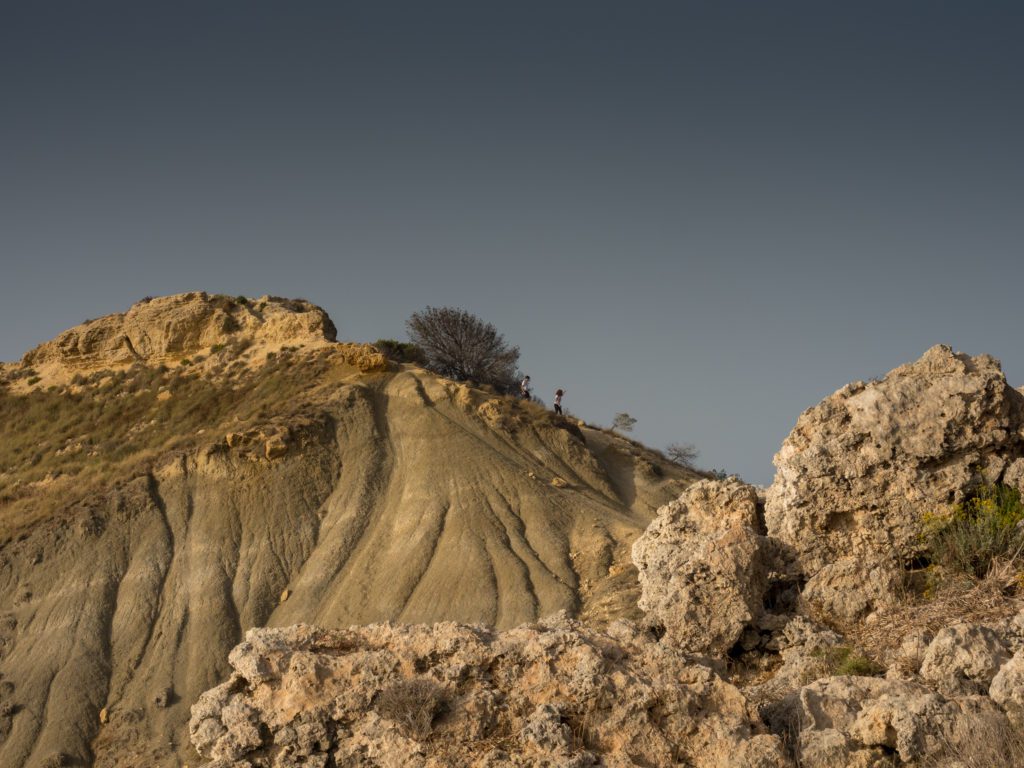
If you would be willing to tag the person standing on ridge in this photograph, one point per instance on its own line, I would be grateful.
(558, 401)
(524, 388)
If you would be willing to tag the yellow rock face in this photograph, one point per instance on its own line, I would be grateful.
(170, 329)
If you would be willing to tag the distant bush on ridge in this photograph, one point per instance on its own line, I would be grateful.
(461, 346)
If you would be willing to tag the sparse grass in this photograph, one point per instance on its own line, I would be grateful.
(983, 601)
(979, 741)
(110, 424)
(845, 660)
(413, 705)
(970, 536)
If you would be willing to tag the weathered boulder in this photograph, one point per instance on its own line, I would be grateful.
(703, 565)
(862, 721)
(963, 659)
(851, 588)
(555, 694)
(905, 660)
(1007, 689)
(858, 472)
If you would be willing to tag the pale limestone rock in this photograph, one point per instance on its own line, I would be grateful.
(702, 566)
(860, 721)
(851, 588)
(907, 658)
(275, 447)
(1007, 689)
(170, 328)
(963, 659)
(557, 693)
(192, 327)
(1014, 475)
(804, 648)
(859, 471)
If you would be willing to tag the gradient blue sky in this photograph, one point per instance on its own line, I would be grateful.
(707, 214)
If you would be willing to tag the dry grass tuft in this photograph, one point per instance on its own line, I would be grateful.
(980, 742)
(413, 705)
(978, 601)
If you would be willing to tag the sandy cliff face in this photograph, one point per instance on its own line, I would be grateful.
(356, 497)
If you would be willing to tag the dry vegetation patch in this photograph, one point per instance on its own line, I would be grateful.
(413, 705)
(114, 424)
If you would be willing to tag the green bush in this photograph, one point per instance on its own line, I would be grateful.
(844, 660)
(969, 536)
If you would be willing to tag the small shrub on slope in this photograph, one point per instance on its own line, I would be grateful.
(412, 705)
(970, 536)
(844, 660)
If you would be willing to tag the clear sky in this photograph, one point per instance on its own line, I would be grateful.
(708, 214)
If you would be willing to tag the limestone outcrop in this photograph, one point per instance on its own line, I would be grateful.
(861, 469)
(703, 566)
(864, 721)
(1007, 688)
(169, 328)
(852, 587)
(548, 694)
(963, 659)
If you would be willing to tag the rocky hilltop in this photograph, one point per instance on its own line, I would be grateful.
(814, 625)
(170, 328)
(177, 475)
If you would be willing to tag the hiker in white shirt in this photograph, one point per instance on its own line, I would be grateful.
(558, 401)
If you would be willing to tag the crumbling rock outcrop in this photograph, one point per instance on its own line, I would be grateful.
(168, 328)
(860, 470)
(852, 587)
(550, 694)
(865, 721)
(1007, 689)
(703, 566)
(963, 659)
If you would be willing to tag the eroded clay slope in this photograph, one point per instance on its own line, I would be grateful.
(366, 497)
